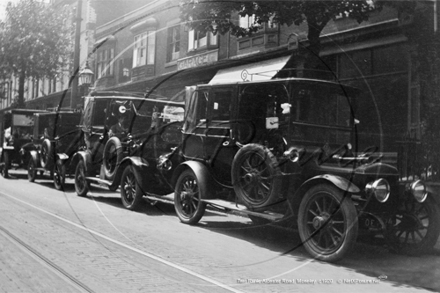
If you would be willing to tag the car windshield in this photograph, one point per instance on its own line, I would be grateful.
(22, 125)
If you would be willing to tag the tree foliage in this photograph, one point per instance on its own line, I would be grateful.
(222, 16)
(35, 42)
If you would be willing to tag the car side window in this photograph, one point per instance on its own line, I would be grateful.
(221, 104)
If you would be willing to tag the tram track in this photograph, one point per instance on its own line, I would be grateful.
(41, 259)
(81, 286)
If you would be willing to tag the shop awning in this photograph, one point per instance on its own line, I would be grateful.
(263, 70)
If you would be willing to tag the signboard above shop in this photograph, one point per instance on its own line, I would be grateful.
(198, 60)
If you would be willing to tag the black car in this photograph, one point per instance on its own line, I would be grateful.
(285, 150)
(16, 135)
(60, 138)
(117, 127)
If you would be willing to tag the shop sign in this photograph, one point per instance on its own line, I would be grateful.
(198, 60)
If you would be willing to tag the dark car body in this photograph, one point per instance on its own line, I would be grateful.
(17, 139)
(61, 138)
(104, 158)
(285, 150)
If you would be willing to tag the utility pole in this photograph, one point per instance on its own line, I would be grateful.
(76, 56)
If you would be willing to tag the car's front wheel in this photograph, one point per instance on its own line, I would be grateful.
(131, 191)
(187, 198)
(81, 184)
(327, 222)
(415, 228)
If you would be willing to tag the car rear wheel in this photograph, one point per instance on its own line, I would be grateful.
(81, 184)
(59, 175)
(256, 177)
(415, 228)
(112, 157)
(131, 191)
(187, 198)
(327, 223)
(32, 173)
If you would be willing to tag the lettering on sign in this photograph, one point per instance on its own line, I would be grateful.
(198, 60)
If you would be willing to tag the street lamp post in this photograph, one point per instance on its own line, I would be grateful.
(74, 80)
(85, 79)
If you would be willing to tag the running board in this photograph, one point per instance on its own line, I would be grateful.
(169, 198)
(99, 181)
(242, 210)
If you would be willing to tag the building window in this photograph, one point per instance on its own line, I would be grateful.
(105, 62)
(173, 43)
(248, 21)
(144, 49)
(199, 40)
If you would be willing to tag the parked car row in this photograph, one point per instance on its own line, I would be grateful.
(276, 151)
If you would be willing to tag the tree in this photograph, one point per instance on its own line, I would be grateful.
(218, 16)
(34, 42)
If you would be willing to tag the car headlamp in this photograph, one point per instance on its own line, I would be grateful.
(418, 190)
(380, 188)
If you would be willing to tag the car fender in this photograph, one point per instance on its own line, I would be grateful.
(82, 155)
(434, 193)
(35, 157)
(337, 181)
(62, 157)
(140, 168)
(206, 182)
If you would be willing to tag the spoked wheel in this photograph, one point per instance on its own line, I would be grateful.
(46, 156)
(187, 198)
(131, 191)
(327, 223)
(256, 176)
(415, 228)
(59, 175)
(81, 184)
(32, 173)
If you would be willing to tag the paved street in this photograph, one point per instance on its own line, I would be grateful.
(53, 241)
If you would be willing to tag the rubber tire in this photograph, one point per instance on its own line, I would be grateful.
(46, 155)
(32, 173)
(427, 242)
(59, 175)
(109, 167)
(82, 186)
(347, 213)
(189, 209)
(5, 169)
(131, 191)
(248, 182)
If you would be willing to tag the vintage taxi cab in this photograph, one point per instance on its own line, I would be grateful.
(61, 137)
(114, 125)
(286, 150)
(16, 136)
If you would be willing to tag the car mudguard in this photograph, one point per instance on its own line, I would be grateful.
(35, 157)
(340, 182)
(433, 192)
(140, 168)
(206, 182)
(82, 155)
(62, 156)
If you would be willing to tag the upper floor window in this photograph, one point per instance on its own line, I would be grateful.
(248, 21)
(144, 49)
(173, 51)
(105, 62)
(198, 40)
